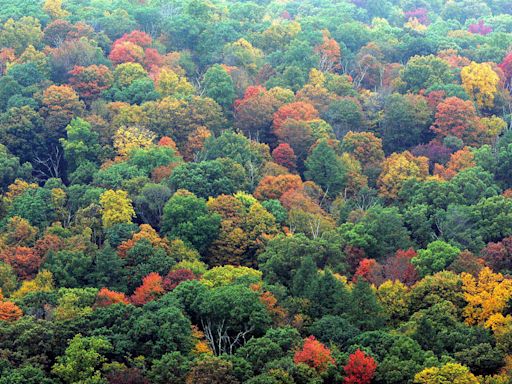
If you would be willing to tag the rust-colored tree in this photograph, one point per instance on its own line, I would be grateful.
(9, 311)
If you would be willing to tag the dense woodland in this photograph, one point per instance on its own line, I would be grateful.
(260, 192)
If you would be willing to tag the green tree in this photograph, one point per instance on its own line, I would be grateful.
(82, 360)
(186, 216)
(81, 144)
(326, 169)
(435, 258)
(218, 85)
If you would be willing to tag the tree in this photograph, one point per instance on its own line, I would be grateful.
(210, 178)
(406, 122)
(435, 258)
(151, 289)
(81, 363)
(107, 297)
(19, 34)
(294, 111)
(11, 168)
(23, 260)
(211, 370)
(344, 114)
(360, 368)
(326, 169)
(116, 207)
(422, 72)
(398, 168)
(219, 86)
(60, 105)
(314, 354)
(9, 311)
(283, 155)
(365, 312)
(91, 81)
(480, 83)
(456, 117)
(169, 83)
(329, 52)
(186, 216)
(486, 295)
(448, 373)
(274, 187)
(127, 139)
(81, 144)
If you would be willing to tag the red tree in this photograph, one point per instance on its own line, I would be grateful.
(360, 368)
(506, 67)
(283, 155)
(89, 82)
(174, 278)
(498, 255)
(399, 267)
(314, 354)
(24, 260)
(371, 271)
(151, 289)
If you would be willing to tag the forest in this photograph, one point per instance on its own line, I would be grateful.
(255, 192)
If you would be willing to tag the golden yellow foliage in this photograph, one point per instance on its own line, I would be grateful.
(480, 83)
(486, 295)
(116, 207)
(127, 139)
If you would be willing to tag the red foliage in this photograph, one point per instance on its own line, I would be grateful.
(354, 257)
(283, 155)
(421, 14)
(174, 278)
(360, 368)
(498, 255)
(25, 261)
(371, 271)
(126, 52)
(9, 311)
(296, 111)
(127, 376)
(89, 82)
(399, 267)
(314, 354)
(48, 243)
(166, 141)
(107, 297)
(506, 67)
(152, 59)
(480, 28)
(434, 151)
(142, 39)
(151, 289)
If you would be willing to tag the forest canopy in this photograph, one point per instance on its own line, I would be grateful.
(255, 192)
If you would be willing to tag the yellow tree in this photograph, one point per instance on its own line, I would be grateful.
(170, 84)
(116, 207)
(480, 82)
(394, 298)
(448, 373)
(486, 295)
(398, 168)
(54, 9)
(127, 139)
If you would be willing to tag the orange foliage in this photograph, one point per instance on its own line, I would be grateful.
(9, 311)
(456, 117)
(151, 289)
(147, 232)
(107, 297)
(314, 354)
(295, 111)
(459, 161)
(330, 53)
(273, 187)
